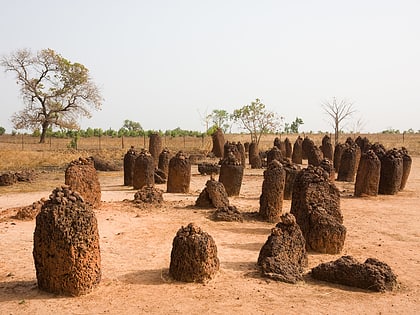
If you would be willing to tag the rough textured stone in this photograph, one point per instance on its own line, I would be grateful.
(218, 139)
(66, 245)
(206, 168)
(349, 164)
(193, 256)
(155, 147)
(391, 172)
(129, 162)
(306, 146)
(407, 161)
(316, 206)
(314, 155)
(371, 275)
(291, 172)
(144, 170)
(327, 148)
(213, 195)
(149, 195)
(8, 179)
(179, 176)
(227, 213)
(254, 156)
(274, 154)
(283, 256)
(231, 174)
(338, 152)
(288, 148)
(241, 150)
(164, 158)
(368, 174)
(29, 212)
(81, 176)
(159, 176)
(271, 199)
(297, 151)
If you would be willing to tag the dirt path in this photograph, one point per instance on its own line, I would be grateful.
(136, 245)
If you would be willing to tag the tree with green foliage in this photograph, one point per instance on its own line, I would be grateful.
(220, 119)
(2, 131)
(294, 126)
(256, 119)
(55, 91)
(338, 111)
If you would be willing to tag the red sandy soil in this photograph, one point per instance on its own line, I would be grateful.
(136, 245)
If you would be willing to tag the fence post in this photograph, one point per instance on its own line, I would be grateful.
(22, 141)
(122, 142)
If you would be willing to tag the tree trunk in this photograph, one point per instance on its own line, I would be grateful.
(44, 129)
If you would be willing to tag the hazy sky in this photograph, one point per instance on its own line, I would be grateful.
(166, 63)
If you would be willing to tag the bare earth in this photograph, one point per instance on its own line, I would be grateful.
(136, 245)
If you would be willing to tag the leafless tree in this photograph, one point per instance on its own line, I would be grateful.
(338, 111)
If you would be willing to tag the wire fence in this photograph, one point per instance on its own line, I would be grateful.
(185, 143)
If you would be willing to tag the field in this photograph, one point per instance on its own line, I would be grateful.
(136, 243)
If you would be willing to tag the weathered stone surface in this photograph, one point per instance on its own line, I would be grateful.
(149, 195)
(218, 139)
(368, 174)
(316, 206)
(291, 172)
(241, 150)
(288, 148)
(144, 170)
(81, 176)
(213, 195)
(29, 212)
(314, 155)
(227, 213)
(206, 168)
(164, 158)
(283, 256)
(349, 164)
(193, 256)
(155, 147)
(327, 165)
(326, 234)
(274, 154)
(231, 174)
(179, 176)
(338, 152)
(8, 179)
(129, 162)
(363, 143)
(254, 156)
(407, 161)
(307, 144)
(391, 172)
(103, 165)
(280, 145)
(297, 151)
(327, 148)
(371, 275)
(271, 198)
(66, 245)
(159, 176)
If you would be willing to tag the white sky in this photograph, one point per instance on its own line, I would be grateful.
(163, 63)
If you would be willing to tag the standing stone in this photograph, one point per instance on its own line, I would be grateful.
(144, 170)
(283, 256)
(193, 256)
(218, 139)
(155, 147)
(368, 174)
(327, 148)
(271, 199)
(274, 154)
(348, 164)
(241, 150)
(407, 161)
(291, 172)
(316, 207)
(254, 156)
(129, 161)
(231, 174)
(280, 145)
(307, 144)
(288, 148)
(213, 195)
(297, 151)
(363, 143)
(338, 152)
(66, 245)
(164, 158)
(315, 155)
(231, 147)
(391, 172)
(81, 176)
(179, 176)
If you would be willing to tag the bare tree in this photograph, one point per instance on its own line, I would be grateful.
(55, 91)
(338, 111)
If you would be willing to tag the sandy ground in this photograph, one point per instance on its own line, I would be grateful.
(136, 245)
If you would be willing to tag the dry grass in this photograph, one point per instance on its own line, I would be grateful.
(17, 152)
